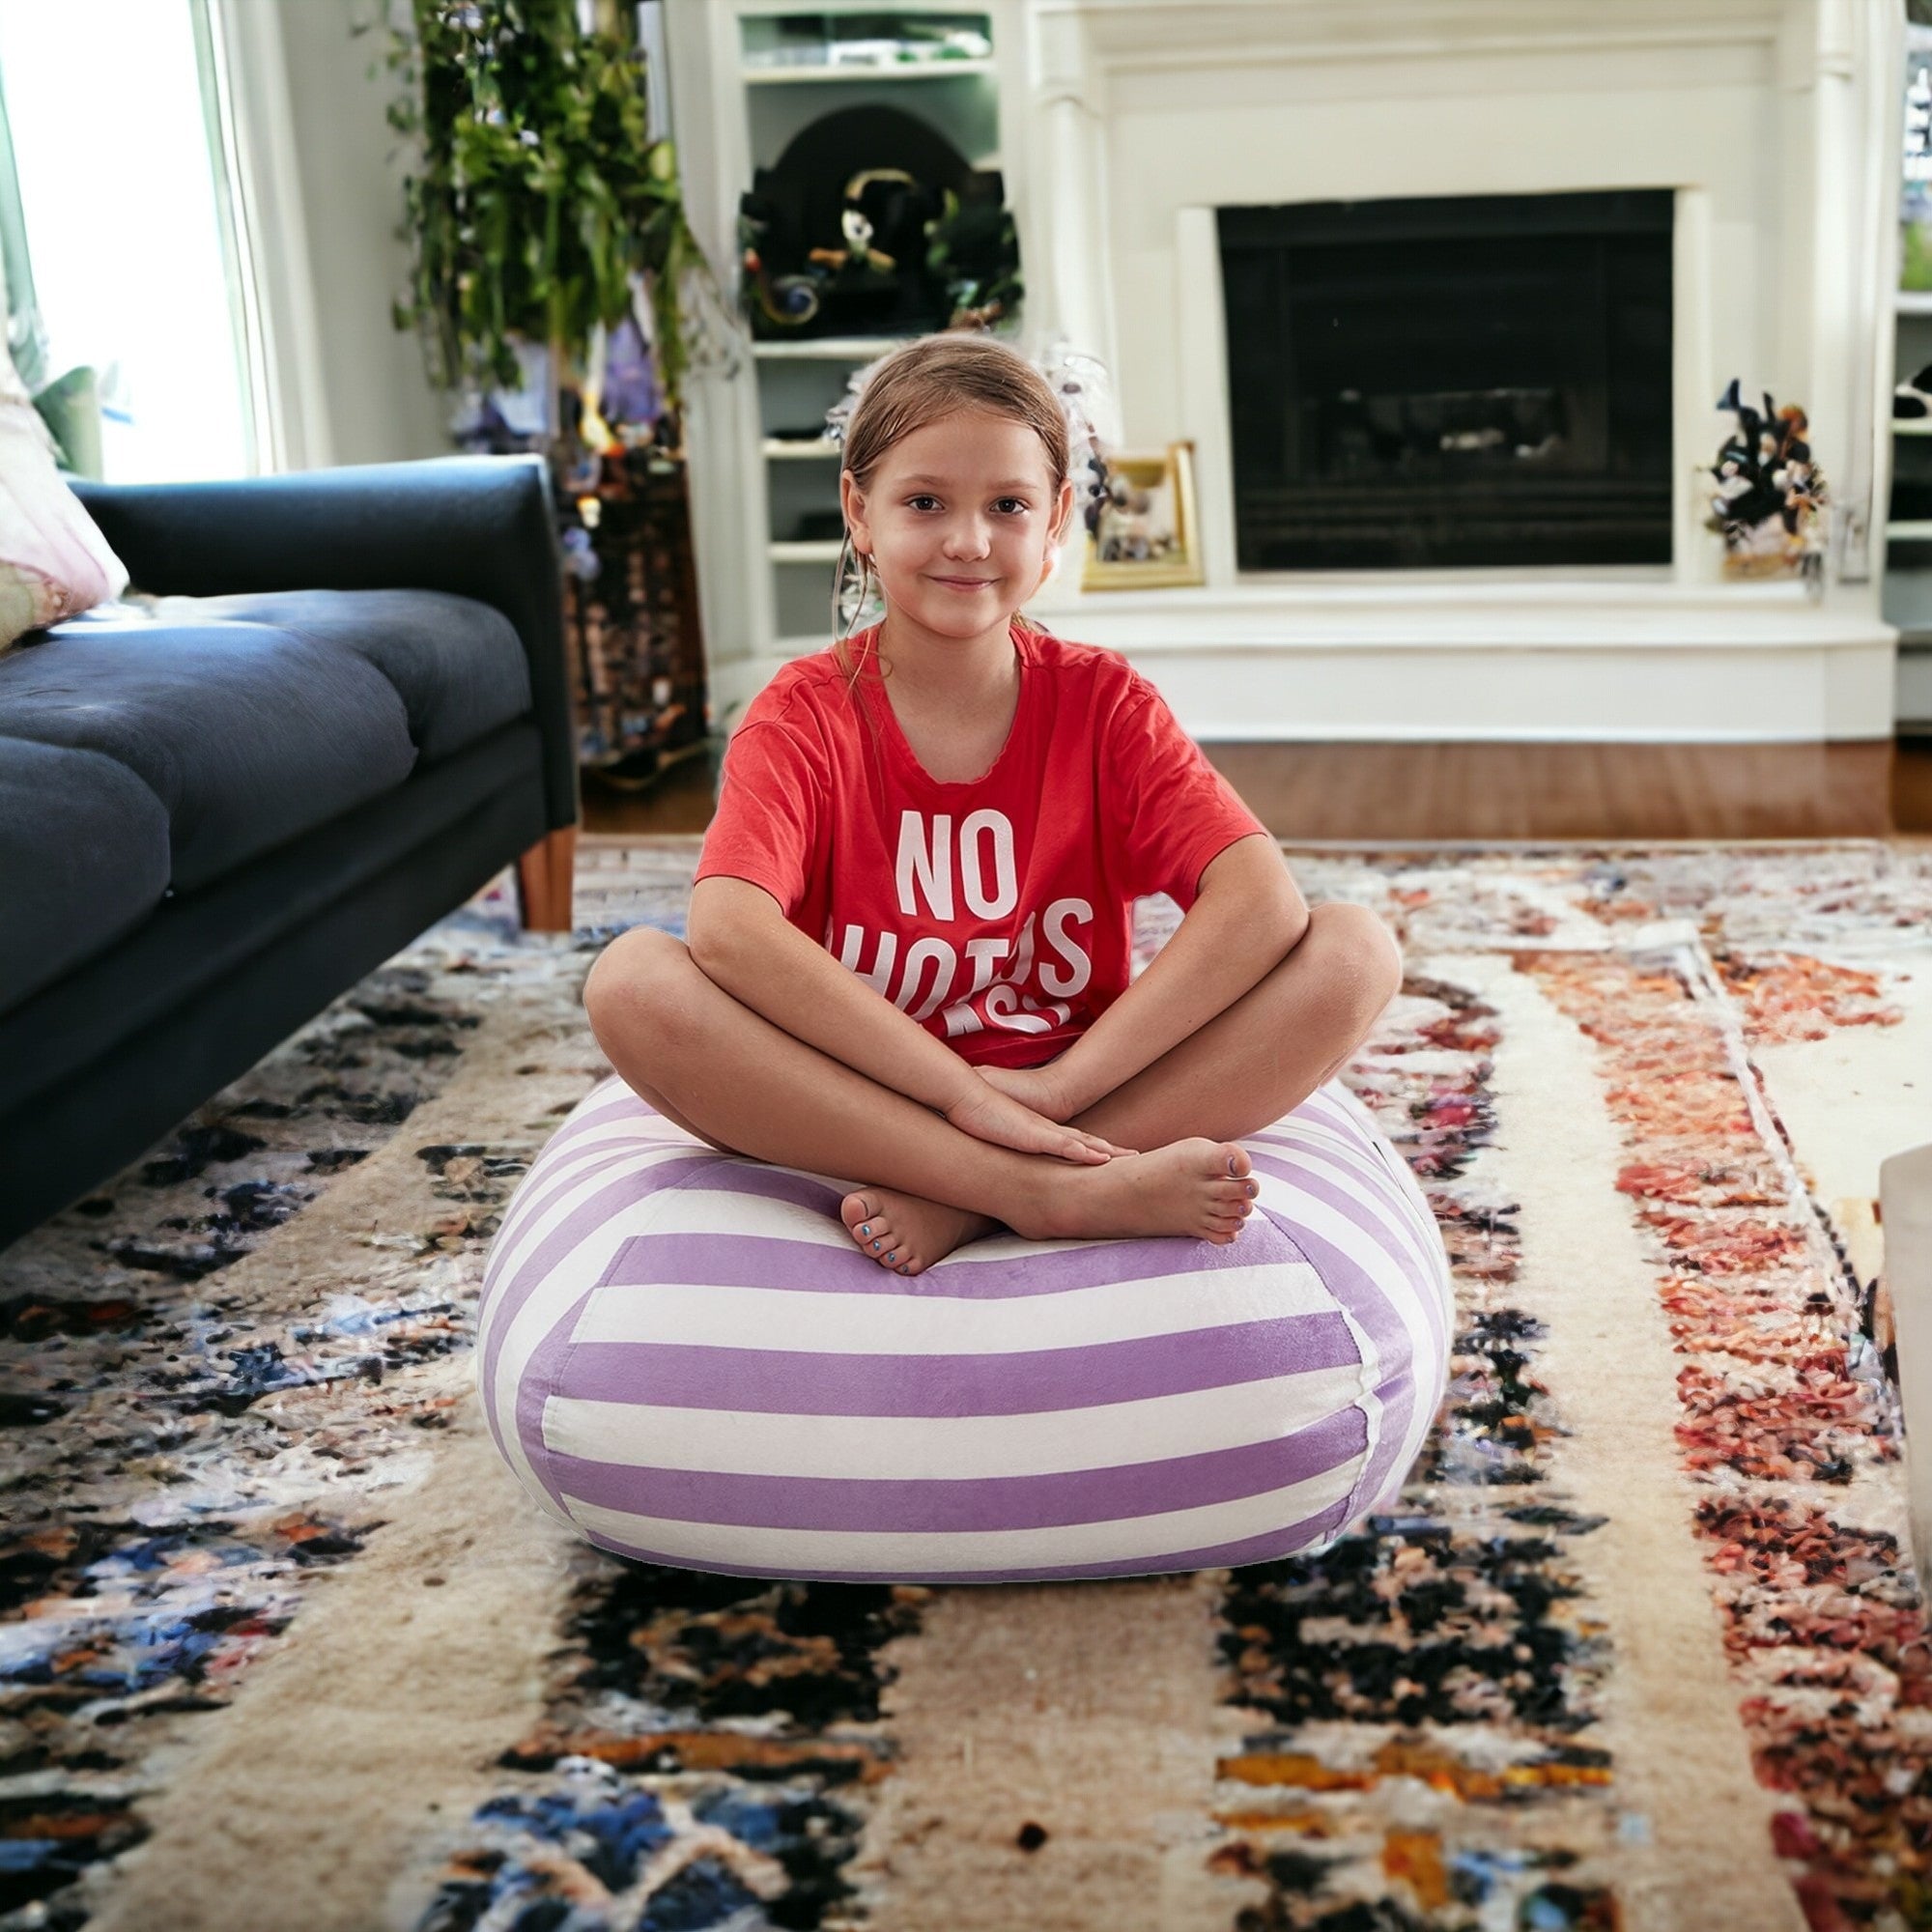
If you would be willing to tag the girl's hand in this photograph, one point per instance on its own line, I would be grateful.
(989, 1114)
(1032, 1086)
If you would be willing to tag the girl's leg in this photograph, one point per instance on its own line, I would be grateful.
(1258, 1058)
(731, 1076)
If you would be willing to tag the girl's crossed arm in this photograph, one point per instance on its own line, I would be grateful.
(1247, 916)
(741, 941)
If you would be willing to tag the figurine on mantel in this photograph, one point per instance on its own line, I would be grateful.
(1769, 493)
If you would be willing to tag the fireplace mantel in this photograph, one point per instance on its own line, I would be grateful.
(1774, 125)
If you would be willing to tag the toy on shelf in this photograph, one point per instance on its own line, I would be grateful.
(1769, 495)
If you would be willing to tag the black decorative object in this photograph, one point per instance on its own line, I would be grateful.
(1769, 492)
(872, 223)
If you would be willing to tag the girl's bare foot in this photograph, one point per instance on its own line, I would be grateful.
(1192, 1187)
(907, 1233)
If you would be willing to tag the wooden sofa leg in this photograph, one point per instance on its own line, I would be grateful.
(545, 877)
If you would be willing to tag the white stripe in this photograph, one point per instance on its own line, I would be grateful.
(727, 1316)
(1370, 1403)
(1333, 1117)
(562, 1284)
(889, 1552)
(948, 1447)
(1344, 1162)
(1382, 1267)
(522, 1228)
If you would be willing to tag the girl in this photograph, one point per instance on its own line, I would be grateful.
(909, 932)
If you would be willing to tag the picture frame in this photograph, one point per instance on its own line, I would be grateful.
(1148, 534)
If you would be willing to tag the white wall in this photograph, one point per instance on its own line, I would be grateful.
(377, 399)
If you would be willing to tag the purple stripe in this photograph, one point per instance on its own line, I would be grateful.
(620, 1103)
(1356, 1121)
(1390, 1210)
(541, 1376)
(1358, 1290)
(1420, 1274)
(764, 1182)
(767, 1261)
(948, 1503)
(793, 1381)
(1264, 1547)
(509, 1235)
(609, 1203)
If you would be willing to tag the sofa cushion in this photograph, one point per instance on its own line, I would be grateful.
(458, 664)
(246, 734)
(84, 852)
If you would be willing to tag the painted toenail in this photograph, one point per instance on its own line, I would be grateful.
(894, 1256)
(877, 1244)
(866, 1230)
(1231, 1169)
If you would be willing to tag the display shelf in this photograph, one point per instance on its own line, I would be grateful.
(865, 71)
(1911, 425)
(827, 348)
(825, 549)
(789, 448)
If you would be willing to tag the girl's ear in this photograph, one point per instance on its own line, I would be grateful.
(1063, 509)
(854, 506)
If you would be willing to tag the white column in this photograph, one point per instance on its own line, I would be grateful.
(1070, 278)
(1856, 108)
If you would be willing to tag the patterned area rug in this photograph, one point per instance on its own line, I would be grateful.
(284, 1645)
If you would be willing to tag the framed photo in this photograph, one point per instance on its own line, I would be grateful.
(1146, 537)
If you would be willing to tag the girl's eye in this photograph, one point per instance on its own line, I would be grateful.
(1019, 502)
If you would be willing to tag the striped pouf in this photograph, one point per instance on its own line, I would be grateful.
(683, 1356)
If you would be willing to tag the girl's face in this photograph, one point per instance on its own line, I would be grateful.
(960, 523)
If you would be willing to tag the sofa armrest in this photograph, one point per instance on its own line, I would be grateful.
(479, 527)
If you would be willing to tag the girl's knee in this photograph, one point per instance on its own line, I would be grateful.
(637, 971)
(1366, 952)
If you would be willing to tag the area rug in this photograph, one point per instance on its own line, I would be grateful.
(285, 1646)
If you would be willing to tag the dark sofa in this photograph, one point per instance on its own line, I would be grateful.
(347, 711)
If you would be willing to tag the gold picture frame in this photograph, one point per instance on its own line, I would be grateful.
(1151, 509)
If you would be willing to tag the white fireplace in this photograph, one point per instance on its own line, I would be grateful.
(1766, 130)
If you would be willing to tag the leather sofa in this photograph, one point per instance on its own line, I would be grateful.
(339, 707)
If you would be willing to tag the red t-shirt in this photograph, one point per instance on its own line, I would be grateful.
(996, 912)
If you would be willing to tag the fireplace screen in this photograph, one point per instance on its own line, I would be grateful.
(1450, 382)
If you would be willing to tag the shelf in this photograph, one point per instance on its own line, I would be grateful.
(829, 348)
(794, 446)
(1911, 425)
(1913, 301)
(826, 550)
(862, 71)
(1918, 531)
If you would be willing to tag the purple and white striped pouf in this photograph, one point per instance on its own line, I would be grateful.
(683, 1356)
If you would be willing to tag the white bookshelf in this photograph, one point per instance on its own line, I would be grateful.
(765, 507)
(1906, 587)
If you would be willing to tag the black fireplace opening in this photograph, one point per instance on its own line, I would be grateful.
(1450, 382)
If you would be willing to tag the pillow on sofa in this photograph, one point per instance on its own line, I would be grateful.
(54, 562)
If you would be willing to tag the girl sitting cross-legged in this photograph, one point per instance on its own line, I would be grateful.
(909, 936)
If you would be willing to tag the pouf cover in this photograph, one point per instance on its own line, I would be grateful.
(684, 1355)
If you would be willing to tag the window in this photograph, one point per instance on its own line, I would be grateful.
(124, 204)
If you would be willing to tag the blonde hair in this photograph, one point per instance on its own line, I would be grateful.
(924, 381)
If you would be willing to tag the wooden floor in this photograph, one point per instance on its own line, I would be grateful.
(1381, 793)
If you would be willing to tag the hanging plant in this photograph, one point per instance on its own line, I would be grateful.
(539, 198)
